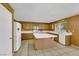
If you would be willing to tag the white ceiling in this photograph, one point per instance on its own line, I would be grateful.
(44, 12)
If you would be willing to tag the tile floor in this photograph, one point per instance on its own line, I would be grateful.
(57, 50)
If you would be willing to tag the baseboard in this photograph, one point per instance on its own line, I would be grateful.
(75, 46)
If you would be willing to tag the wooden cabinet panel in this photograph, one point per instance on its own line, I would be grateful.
(67, 40)
(30, 26)
(56, 38)
(73, 26)
(26, 26)
(43, 43)
(27, 36)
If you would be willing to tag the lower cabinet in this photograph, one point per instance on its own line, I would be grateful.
(67, 40)
(64, 39)
(27, 36)
(56, 38)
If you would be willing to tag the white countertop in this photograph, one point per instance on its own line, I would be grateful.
(53, 32)
(40, 31)
(43, 35)
(68, 34)
(65, 33)
(26, 31)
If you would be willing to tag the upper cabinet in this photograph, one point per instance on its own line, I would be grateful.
(32, 26)
(52, 26)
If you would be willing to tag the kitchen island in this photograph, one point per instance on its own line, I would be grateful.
(43, 40)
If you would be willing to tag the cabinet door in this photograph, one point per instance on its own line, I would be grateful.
(67, 40)
(5, 31)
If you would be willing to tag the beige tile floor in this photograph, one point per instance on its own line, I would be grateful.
(56, 50)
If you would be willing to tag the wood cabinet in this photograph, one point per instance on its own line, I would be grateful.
(67, 40)
(64, 39)
(31, 25)
(27, 36)
(56, 38)
(26, 26)
(73, 26)
(43, 43)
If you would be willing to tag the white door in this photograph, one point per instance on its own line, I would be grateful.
(5, 31)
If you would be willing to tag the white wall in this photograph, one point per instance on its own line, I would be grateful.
(5, 31)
